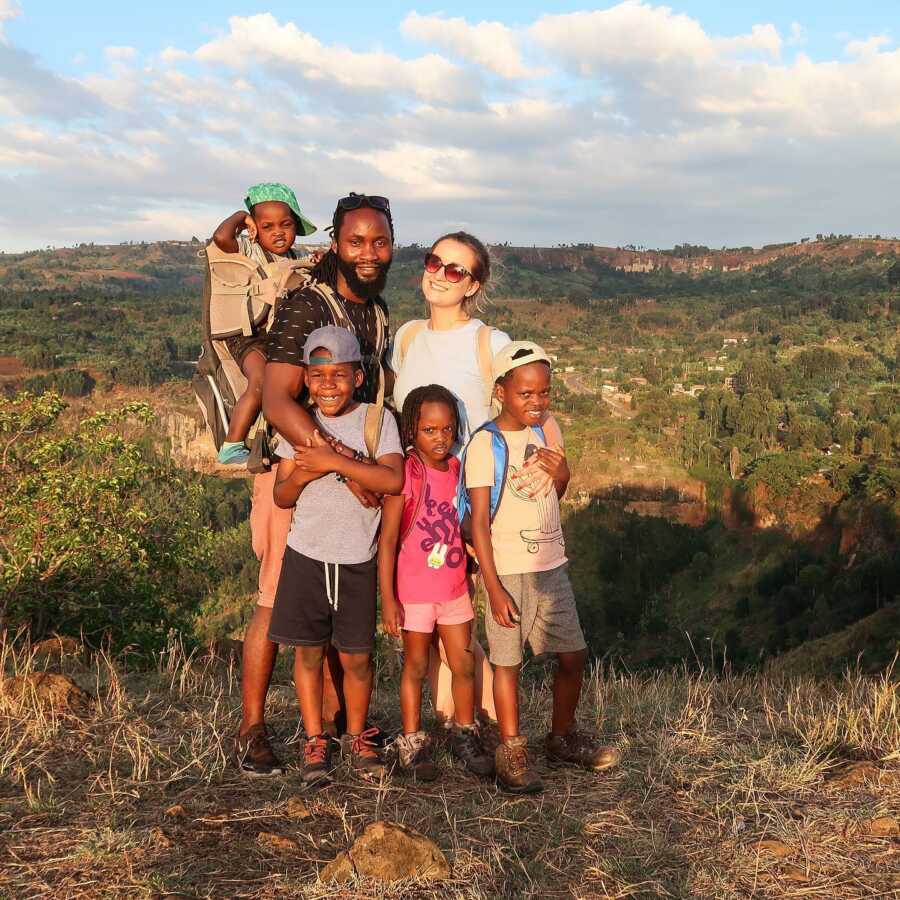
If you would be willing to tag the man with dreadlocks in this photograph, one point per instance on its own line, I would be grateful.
(354, 272)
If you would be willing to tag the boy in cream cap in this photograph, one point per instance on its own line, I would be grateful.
(521, 552)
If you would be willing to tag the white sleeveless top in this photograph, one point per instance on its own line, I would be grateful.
(448, 358)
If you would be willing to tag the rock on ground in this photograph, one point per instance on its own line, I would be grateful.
(48, 688)
(55, 648)
(389, 852)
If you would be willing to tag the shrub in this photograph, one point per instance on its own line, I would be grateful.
(101, 536)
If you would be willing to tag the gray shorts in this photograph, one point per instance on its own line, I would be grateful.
(548, 617)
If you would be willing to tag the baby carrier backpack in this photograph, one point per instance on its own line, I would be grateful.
(239, 298)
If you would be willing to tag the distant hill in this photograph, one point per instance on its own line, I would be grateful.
(695, 260)
(160, 266)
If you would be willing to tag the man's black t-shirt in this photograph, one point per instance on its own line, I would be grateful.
(303, 311)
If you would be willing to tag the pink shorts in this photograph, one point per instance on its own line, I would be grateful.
(423, 617)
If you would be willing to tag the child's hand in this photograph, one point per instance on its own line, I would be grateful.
(552, 460)
(250, 225)
(504, 609)
(317, 456)
(542, 471)
(390, 616)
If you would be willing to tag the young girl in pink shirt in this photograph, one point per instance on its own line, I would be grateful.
(422, 576)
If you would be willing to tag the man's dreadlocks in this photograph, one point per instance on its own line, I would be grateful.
(412, 407)
(326, 270)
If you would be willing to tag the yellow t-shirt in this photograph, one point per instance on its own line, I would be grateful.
(526, 533)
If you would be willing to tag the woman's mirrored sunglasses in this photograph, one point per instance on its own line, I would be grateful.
(452, 272)
(355, 201)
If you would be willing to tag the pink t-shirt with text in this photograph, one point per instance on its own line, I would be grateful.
(431, 564)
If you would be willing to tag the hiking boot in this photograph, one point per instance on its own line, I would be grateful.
(577, 749)
(317, 759)
(466, 746)
(365, 759)
(514, 772)
(253, 753)
(415, 754)
(338, 728)
(489, 734)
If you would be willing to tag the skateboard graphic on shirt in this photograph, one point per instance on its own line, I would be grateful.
(550, 529)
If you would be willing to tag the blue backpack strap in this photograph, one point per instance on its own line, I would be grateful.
(500, 453)
(501, 465)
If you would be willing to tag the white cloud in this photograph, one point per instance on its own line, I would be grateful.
(631, 122)
(491, 45)
(262, 40)
(173, 54)
(869, 47)
(119, 53)
(9, 9)
(798, 35)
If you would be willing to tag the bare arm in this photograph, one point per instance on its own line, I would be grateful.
(503, 607)
(226, 235)
(282, 385)
(389, 379)
(384, 477)
(289, 483)
(388, 541)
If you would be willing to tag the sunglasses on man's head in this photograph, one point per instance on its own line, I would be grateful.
(452, 272)
(355, 201)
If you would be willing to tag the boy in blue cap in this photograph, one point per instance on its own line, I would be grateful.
(272, 222)
(326, 591)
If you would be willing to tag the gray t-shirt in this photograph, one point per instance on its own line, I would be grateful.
(329, 523)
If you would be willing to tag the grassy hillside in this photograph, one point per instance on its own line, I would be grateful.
(729, 787)
(733, 429)
(732, 526)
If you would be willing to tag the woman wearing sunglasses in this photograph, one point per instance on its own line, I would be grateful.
(454, 349)
(451, 346)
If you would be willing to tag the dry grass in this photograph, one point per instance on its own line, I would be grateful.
(730, 787)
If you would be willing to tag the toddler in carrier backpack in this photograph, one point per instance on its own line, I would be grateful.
(247, 274)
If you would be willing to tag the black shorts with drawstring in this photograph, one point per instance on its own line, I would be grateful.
(320, 603)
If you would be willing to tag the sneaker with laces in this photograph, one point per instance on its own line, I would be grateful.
(514, 772)
(415, 754)
(233, 453)
(317, 759)
(577, 749)
(253, 754)
(338, 728)
(466, 746)
(365, 758)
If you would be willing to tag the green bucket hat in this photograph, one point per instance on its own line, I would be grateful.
(261, 193)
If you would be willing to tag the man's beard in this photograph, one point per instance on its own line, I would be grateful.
(365, 289)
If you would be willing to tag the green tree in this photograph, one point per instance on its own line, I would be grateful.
(100, 536)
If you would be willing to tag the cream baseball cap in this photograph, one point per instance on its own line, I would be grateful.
(515, 354)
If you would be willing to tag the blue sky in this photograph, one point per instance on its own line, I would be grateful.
(60, 32)
(537, 122)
